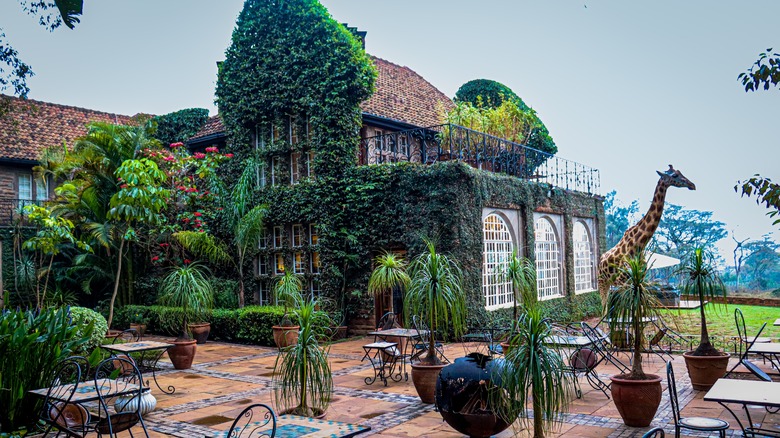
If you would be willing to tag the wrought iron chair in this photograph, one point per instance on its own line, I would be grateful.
(701, 424)
(129, 335)
(256, 421)
(654, 345)
(743, 347)
(423, 340)
(58, 409)
(656, 432)
(600, 345)
(388, 321)
(117, 379)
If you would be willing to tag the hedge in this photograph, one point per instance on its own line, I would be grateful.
(250, 325)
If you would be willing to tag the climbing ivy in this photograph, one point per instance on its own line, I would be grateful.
(180, 125)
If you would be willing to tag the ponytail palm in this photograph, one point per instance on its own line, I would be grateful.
(390, 273)
(700, 278)
(521, 272)
(436, 294)
(287, 291)
(187, 287)
(532, 371)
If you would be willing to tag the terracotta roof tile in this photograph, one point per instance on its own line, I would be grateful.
(32, 126)
(401, 94)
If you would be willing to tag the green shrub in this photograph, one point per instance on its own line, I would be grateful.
(225, 293)
(487, 93)
(82, 318)
(180, 125)
(31, 345)
(250, 325)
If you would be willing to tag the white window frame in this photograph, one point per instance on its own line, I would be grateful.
(278, 237)
(585, 278)
(310, 163)
(314, 238)
(315, 265)
(297, 235)
(314, 287)
(298, 263)
(279, 264)
(274, 164)
(549, 263)
(28, 185)
(295, 174)
(497, 248)
(41, 190)
(262, 265)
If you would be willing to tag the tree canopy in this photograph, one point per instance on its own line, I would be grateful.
(764, 73)
(682, 230)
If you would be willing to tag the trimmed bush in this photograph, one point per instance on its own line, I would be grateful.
(82, 317)
(250, 325)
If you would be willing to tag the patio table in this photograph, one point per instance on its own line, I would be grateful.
(383, 357)
(150, 351)
(777, 322)
(746, 392)
(405, 337)
(295, 426)
(767, 350)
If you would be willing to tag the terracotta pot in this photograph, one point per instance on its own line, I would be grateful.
(200, 331)
(285, 336)
(705, 370)
(182, 353)
(140, 328)
(636, 400)
(424, 378)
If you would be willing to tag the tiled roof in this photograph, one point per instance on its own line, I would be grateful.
(32, 126)
(401, 94)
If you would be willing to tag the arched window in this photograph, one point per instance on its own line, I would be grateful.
(496, 288)
(583, 258)
(548, 267)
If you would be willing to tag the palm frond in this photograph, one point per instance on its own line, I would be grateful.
(203, 245)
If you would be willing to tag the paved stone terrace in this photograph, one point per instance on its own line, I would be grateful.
(227, 377)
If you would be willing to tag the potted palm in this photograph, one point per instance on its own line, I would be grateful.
(632, 304)
(532, 371)
(521, 272)
(705, 364)
(435, 293)
(389, 274)
(287, 291)
(187, 287)
(303, 382)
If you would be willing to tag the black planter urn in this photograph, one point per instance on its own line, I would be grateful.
(462, 396)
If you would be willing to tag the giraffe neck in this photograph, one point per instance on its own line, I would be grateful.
(649, 223)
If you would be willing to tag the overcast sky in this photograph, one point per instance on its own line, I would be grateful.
(624, 86)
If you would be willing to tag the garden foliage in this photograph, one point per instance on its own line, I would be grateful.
(31, 344)
(180, 125)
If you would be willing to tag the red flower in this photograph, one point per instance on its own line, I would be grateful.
(164, 245)
(187, 261)
(155, 258)
(197, 213)
(186, 220)
(169, 158)
(199, 155)
(229, 155)
(212, 149)
(176, 145)
(123, 186)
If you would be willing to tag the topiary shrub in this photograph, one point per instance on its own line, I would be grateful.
(488, 94)
(82, 317)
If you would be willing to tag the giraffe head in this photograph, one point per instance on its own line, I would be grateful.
(675, 178)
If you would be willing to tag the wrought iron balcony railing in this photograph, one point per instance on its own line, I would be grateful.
(12, 209)
(482, 151)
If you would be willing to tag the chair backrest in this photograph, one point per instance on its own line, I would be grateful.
(257, 420)
(64, 381)
(672, 385)
(118, 380)
(656, 432)
(129, 335)
(744, 343)
(659, 335)
(387, 321)
(421, 328)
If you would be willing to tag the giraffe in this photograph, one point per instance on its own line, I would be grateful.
(636, 237)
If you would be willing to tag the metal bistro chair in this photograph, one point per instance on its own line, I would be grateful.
(118, 380)
(656, 432)
(58, 411)
(256, 421)
(654, 345)
(599, 344)
(129, 335)
(702, 424)
(743, 347)
(423, 340)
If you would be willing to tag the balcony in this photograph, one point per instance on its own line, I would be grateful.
(11, 210)
(482, 151)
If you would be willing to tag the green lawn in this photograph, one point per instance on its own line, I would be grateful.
(720, 320)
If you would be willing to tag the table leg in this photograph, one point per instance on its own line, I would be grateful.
(377, 363)
(153, 367)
